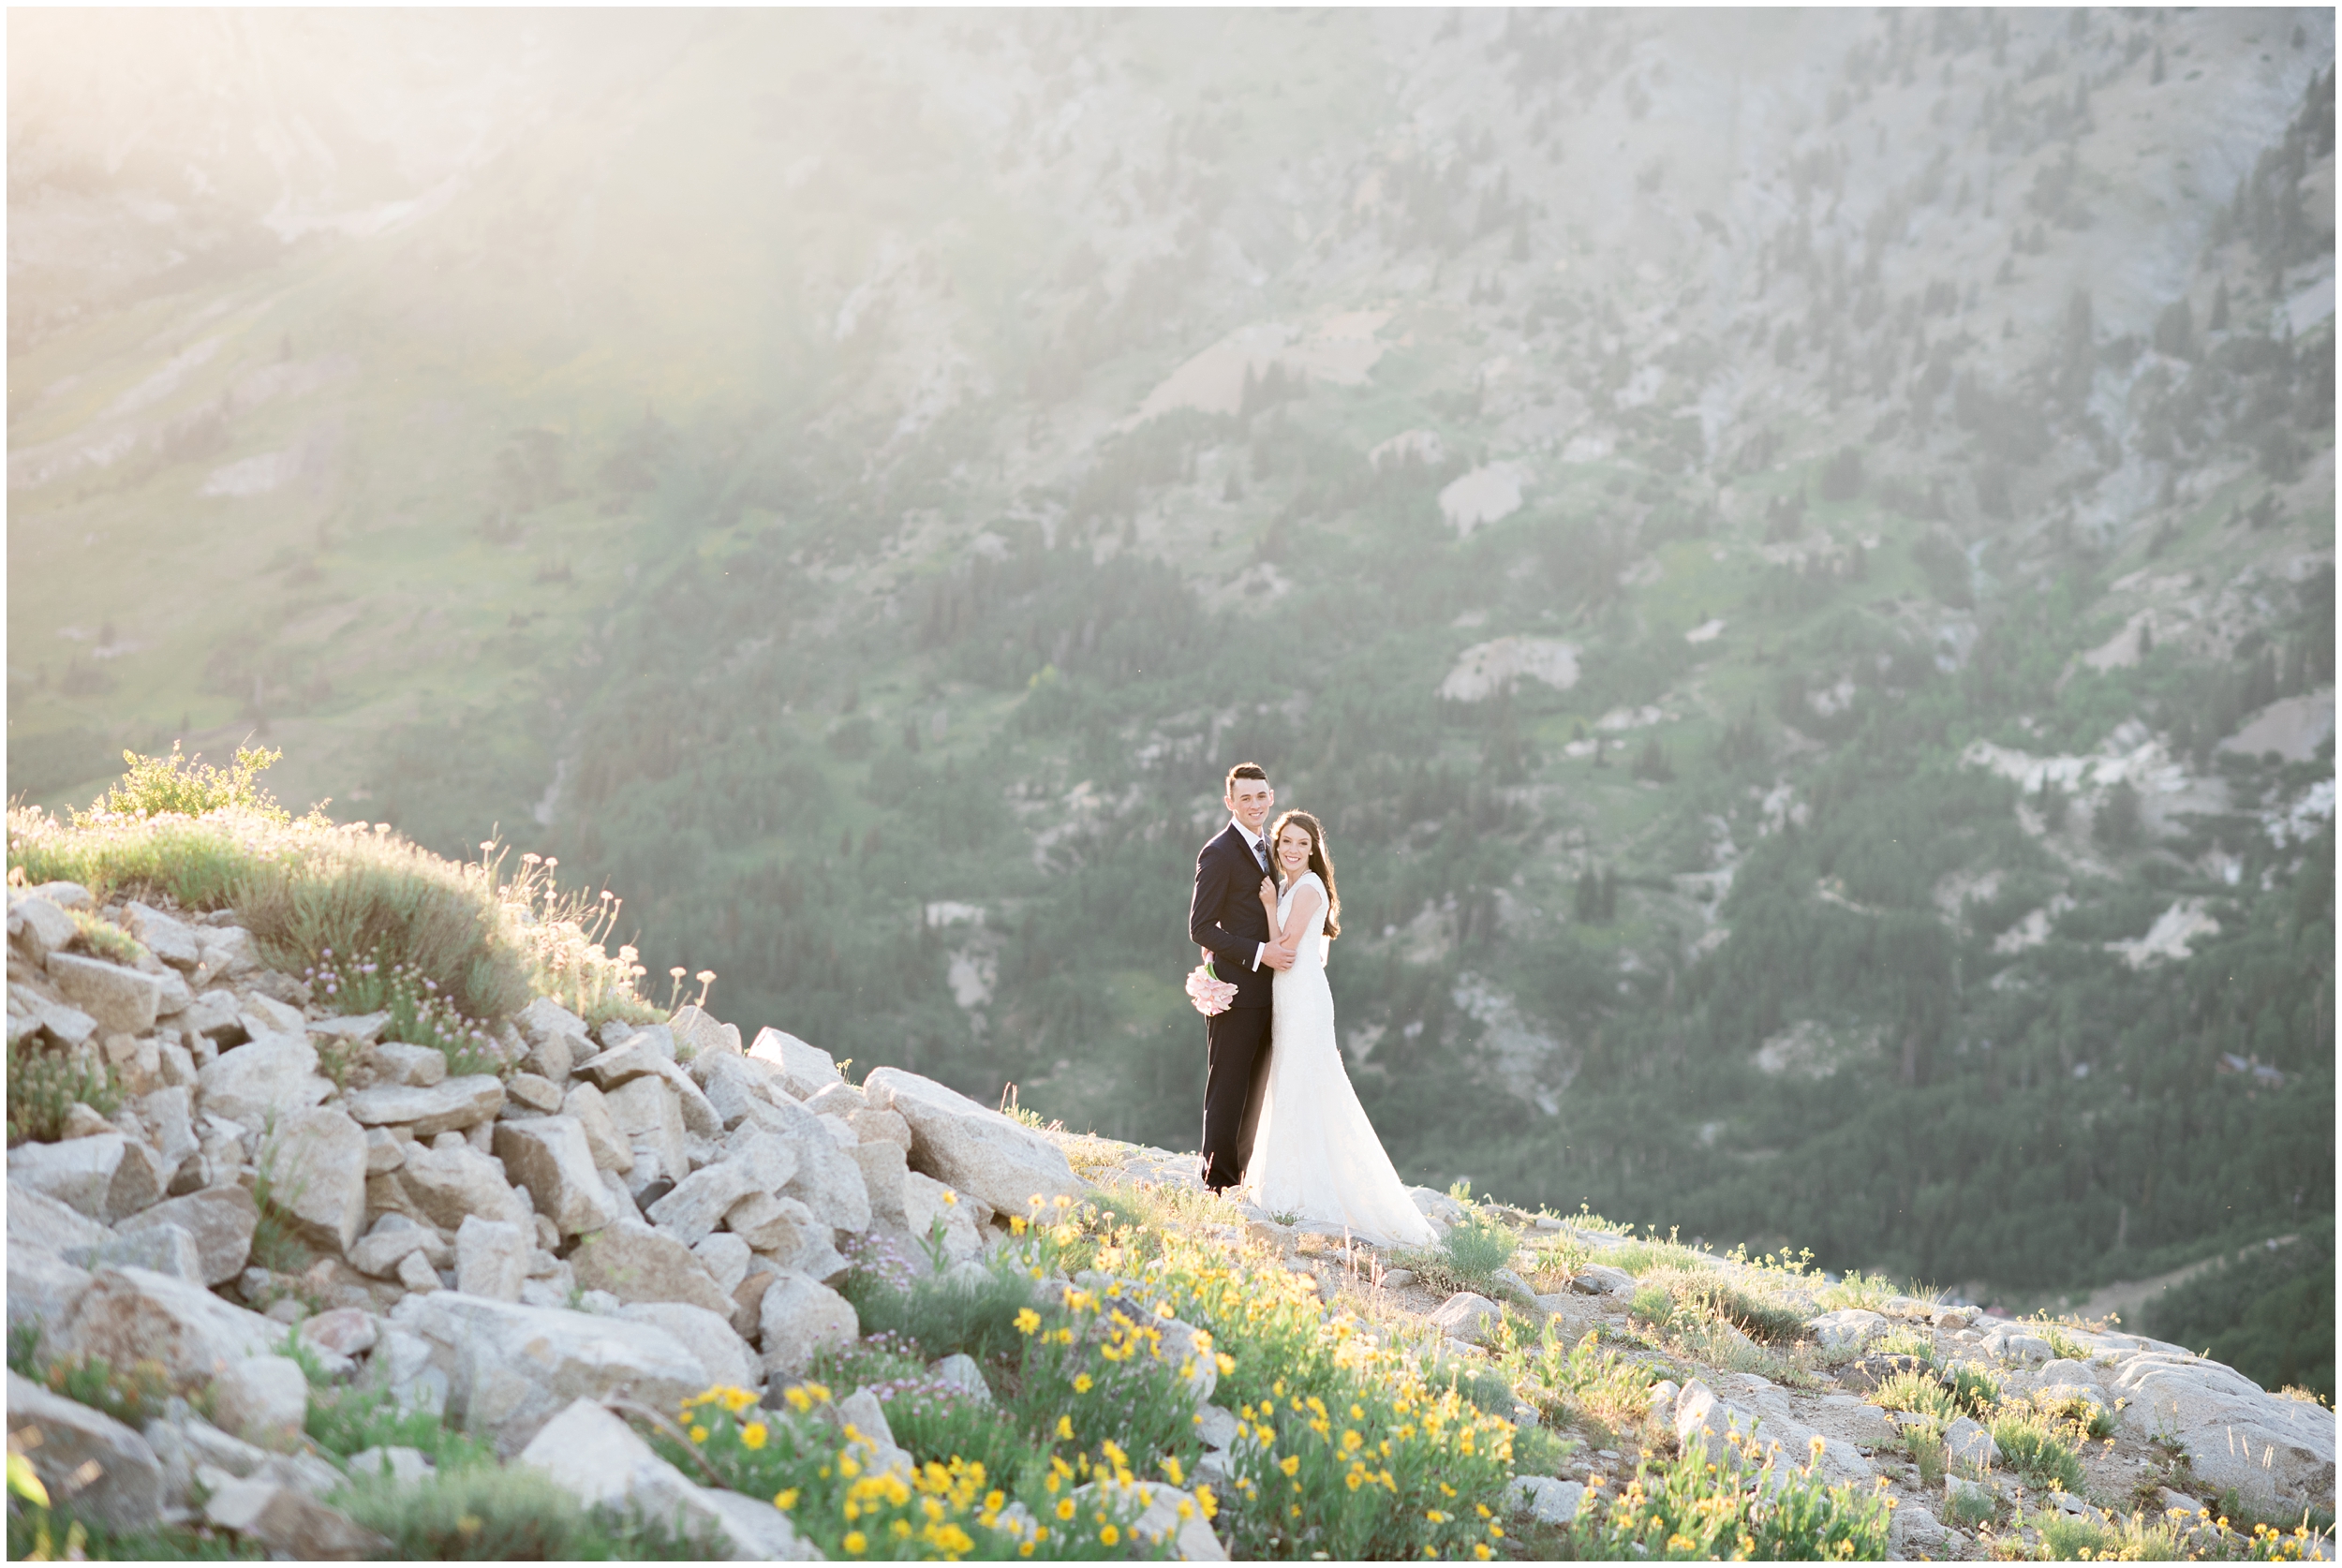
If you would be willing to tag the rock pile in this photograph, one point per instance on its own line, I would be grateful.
(654, 1209)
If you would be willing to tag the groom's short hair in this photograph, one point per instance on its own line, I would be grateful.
(1245, 770)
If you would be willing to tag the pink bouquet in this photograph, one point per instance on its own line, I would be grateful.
(1211, 994)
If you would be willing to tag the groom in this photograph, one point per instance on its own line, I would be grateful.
(1227, 920)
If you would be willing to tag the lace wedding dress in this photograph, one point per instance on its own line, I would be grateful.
(1315, 1155)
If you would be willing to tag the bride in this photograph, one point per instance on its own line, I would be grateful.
(1315, 1155)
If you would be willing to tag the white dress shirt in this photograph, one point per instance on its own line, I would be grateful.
(1259, 841)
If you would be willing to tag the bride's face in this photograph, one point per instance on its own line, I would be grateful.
(1293, 849)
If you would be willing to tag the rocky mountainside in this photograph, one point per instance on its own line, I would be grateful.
(288, 1215)
(1793, 554)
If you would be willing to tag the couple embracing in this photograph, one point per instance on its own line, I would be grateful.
(1281, 1124)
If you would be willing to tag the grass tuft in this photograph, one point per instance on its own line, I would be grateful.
(43, 1086)
(481, 1513)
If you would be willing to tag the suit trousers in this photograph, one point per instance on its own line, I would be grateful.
(1238, 1067)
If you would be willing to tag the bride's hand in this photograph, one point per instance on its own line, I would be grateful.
(1268, 897)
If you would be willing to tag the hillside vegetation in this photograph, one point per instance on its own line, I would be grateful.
(321, 1247)
(1793, 555)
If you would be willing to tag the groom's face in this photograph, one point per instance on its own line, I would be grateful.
(1249, 802)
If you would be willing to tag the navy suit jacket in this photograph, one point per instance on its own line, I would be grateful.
(1226, 917)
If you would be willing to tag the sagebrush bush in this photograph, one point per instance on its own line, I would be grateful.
(1588, 1383)
(940, 1315)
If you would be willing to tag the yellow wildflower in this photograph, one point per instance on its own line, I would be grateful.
(1065, 1508)
(855, 1543)
(785, 1499)
(698, 1434)
(752, 1435)
(1027, 1320)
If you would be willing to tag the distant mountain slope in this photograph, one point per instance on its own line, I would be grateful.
(1793, 552)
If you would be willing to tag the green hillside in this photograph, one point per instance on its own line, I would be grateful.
(1793, 554)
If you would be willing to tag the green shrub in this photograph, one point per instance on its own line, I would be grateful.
(1904, 1341)
(133, 1395)
(2036, 1446)
(43, 1086)
(199, 861)
(349, 1420)
(2079, 1411)
(419, 1015)
(1858, 1289)
(482, 1513)
(942, 1427)
(1917, 1393)
(1466, 1258)
(1690, 1508)
(189, 787)
(1968, 1509)
(1639, 1258)
(1973, 1385)
(95, 935)
(939, 1315)
(1586, 1383)
(1540, 1451)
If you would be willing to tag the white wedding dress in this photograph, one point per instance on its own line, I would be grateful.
(1315, 1155)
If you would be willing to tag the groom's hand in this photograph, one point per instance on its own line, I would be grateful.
(1277, 957)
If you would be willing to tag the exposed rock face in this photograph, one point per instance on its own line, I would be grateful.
(978, 1151)
(449, 1106)
(800, 1318)
(554, 1158)
(511, 1368)
(85, 1458)
(317, 1173)
(2236, 1433)
(123, 1001)
(635, 1261)
(597, 1459)
(262, 1399)
(128, 1315)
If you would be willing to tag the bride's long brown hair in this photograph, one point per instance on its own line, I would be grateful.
(1320, 862)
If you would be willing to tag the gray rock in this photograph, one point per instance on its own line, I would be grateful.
(492, 1258)
(106, 1177)
(725, 1256)
(839, 1100)
(128, 1315)
(402, 1465)
(446, 1184)
(351, 1028)
(38, 927)
(696, 1035)
(511, 1368)
(221, 1220)
(392, 1238)
(800, 1318)
(449, 1106)
(346, 1331)
(1467, 1317)
(409, 1066)
(290, 1521)
(961, 1372)
(531, 1092)
(1699, 1415)
(647, 1116)
(545, 1020)
(635, 1263)
(1168, 1517)
(170, 1118)
(69, 1027)
(415, 1273)
(121, 1000)
(640, 1056)
(1602, 1279)
(926, 1200)
(732, 1084)
(317, 1165)
(883, 1166)
(967, 1146)
(596, 1458)
(1399, 1278)
(554, 1158)
(166, 1249)
(262, 1399)
(827, 1180)
(697, 1205)
(1913, 1531)
(43, 1288)
(37, 1219)
(726, 1357)
(805, 1069)
(274, 1074)
(2270, 1448)
(385, 1150)
(881, 1127)
(214, 1015)
(610, 1148)
(266, 1015)
(166, 937)
(85, 1458)
(1545, 1500)
(1847, 1329)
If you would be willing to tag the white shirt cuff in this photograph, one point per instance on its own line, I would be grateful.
(1258, 952)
